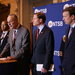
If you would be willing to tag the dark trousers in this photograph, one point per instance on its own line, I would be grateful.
(68, 71)
(23, 69)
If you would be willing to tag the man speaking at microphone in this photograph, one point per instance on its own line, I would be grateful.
(18, 44)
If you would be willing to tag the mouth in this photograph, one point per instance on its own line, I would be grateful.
(10, 25)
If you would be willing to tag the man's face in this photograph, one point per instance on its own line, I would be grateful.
(12, 22)
(36, 21)
(67, 18)
(3, 26)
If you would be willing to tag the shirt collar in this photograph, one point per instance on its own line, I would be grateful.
(41, 27)
(15, 30)
(5, 32)
(73, 25)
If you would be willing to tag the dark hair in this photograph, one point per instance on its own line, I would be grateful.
(42, 16)
(71, 10)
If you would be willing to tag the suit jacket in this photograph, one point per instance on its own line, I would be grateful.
(69, 55)
(4, 41)
(43, 48)
(21, 49)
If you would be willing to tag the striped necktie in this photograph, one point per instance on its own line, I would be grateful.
(37, 34)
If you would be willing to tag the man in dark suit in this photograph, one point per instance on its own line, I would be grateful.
(4, 35)
(43, 46)
(19, 45)
(69, 50)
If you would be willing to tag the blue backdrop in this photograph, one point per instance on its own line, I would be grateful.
(54, 21)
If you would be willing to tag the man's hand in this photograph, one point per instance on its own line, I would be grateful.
(43, 70)
(10, 58)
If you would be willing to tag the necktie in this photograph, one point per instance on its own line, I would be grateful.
(14, 34)
(37, 33)
(13, 42)
(14, 37)
(70, 31)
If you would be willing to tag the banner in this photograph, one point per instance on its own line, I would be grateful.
(54, 20)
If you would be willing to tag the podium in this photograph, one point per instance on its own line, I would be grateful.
(8, 67)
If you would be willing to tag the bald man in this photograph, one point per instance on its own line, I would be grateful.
(19, 45)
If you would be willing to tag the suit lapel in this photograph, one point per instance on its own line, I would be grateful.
(7, 35)
(69, 39)
(39, 37)
(11, 37)
(18, 31)
(5, 39)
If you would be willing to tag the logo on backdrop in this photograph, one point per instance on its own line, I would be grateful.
(68, 5)
(55, 23)
(40, 10)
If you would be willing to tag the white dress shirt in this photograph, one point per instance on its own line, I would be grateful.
(40, 27)
(4, 33)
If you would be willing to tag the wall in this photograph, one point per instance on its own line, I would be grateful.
(23, 8)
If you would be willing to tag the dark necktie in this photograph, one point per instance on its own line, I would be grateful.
(15, 34)
(37, 33)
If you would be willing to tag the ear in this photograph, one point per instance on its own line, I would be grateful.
(73, 17)
(40, 20)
